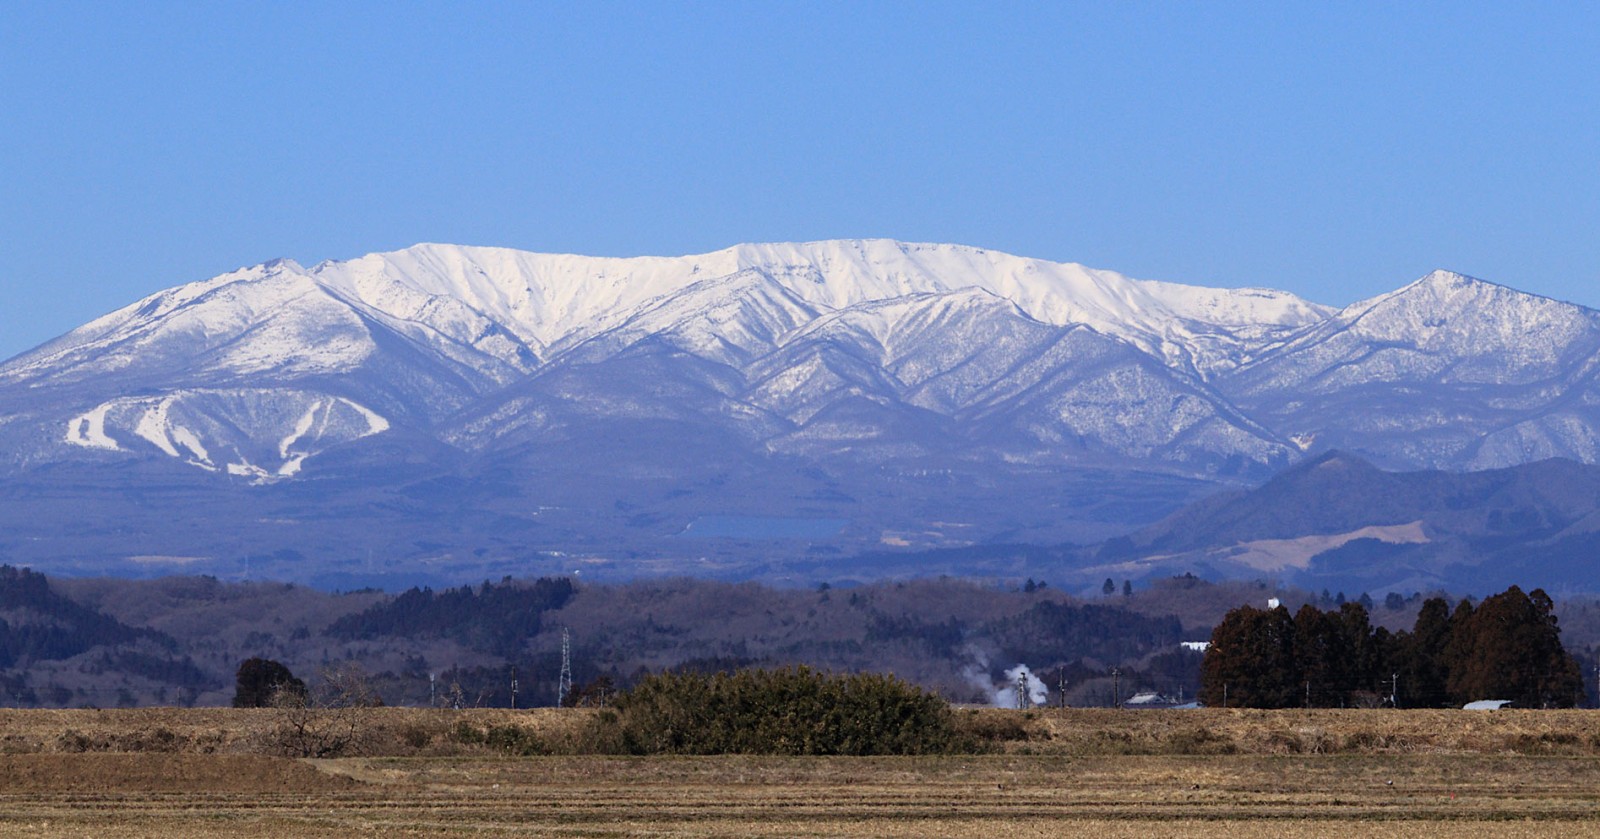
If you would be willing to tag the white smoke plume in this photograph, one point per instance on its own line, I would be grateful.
(1004, 695)
(977, 673)
(1016, 678)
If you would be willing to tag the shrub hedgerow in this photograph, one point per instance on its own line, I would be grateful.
(792, 711)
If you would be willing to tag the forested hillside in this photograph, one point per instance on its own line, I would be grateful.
(107, 642)
(40, 629)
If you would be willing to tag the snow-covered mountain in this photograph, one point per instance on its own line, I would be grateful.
(817, 347)
(1448, 372)
(924, 394)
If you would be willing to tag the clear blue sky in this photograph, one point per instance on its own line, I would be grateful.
(1336, 150)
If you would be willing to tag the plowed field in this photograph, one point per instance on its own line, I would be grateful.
(167, 795)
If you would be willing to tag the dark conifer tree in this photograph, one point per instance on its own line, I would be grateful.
(1251, 661)
(1510, 648)
(1419, 658)
(1507, 647)
(1457, 649)
(1361, 668)
(261, 681)
(1322, 654)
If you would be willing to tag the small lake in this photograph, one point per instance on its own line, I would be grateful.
(762, 527)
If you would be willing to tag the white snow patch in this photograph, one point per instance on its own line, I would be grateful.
(152, 426)
(89, 430)
(376, 424)
(223, 415)
(245, 469)
(155, 425)
(191, 441)
(300, 428)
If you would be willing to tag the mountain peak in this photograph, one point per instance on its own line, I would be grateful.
(1331, 462)
(1448, 278)
(1473, 309)
(1441, 281)
(1443, 287)
(281, 264)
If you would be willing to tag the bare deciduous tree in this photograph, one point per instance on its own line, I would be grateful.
(331, 720)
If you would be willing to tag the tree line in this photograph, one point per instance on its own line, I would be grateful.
(45, 626)
(1508, 647)
(495, 618)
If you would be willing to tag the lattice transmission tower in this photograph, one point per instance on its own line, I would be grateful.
(564, 684)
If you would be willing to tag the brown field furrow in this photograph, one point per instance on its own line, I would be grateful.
(95, 774)
(826, 804)
(311, 825)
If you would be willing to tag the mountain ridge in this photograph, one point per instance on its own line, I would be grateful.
(924, 394)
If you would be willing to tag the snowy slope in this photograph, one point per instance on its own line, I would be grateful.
(907, 334)
(272, 319)
(504, 310)
(560, 300)
(1448, 371)
(272, 322)
(248, 433)
(865, 351)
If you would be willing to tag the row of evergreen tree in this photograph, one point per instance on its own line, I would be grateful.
(494, 618)
(1507, 647)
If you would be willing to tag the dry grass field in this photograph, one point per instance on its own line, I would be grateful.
(1109, 774)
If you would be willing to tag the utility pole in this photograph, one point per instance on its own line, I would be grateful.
(513, 687)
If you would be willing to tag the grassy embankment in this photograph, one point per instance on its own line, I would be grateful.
(1073, 732)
